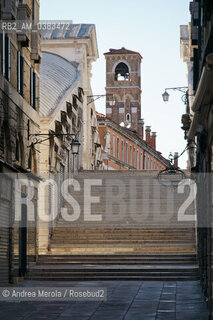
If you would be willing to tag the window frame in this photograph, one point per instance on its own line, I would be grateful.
(122, 150)
(6, 56)
(127, 160)
(118, 148)
(20, 74)
(113, 145)
(130, 154)
(33, 88)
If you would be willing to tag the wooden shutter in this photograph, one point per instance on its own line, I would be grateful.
(34, 90)
(31, 86)
(19, 72)
(3, 53)
(9, 58)
(6, 58)
(22, 76)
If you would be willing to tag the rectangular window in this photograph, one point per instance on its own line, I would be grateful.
(33, 89)
(130, 154)
(113, 145)
(141, 160)
(118, 146)
(137, 159)
(126, 152)
(144, 161)
(20, 74)
(6, 56)
(148, 164)
(134, 155)
(122, 150)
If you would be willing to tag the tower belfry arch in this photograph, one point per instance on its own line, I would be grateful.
(121, 72)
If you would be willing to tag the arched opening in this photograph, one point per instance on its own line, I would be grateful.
(122, 72)
(128, 117)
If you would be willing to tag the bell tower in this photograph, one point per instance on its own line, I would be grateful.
(123, 80)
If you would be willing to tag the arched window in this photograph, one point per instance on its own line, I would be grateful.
(128, 117)
(122, 72)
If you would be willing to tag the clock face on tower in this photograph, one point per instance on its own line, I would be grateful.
(123, 81)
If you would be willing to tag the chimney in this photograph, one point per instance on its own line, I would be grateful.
(148, 137)
(140, 128)
(153, 140)
(176, 159)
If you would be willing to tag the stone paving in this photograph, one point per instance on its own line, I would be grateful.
(129, 300)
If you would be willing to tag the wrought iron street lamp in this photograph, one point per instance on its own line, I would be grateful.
(186, 121)
(165, 95)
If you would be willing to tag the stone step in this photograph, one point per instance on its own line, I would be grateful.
(177, 246)
(126, 230)
(71, 238)
(115, 278)
(117, 262)
(131, 258)
(104, 232)
(119, 241)
(124, 237)
(103, 271)
(104, 249)
(159, 267)
(126, 225)
(142, 232)
(97, 274)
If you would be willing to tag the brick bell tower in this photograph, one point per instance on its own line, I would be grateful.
(123, 80)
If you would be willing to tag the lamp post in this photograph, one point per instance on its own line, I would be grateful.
(75, 145)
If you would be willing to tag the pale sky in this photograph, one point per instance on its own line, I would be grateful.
(151, 28)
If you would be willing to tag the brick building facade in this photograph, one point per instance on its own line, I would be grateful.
(197, 52)
(19, 119)
(124, 145)
(123, 149)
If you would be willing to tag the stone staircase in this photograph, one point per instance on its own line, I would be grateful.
(139, 236)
